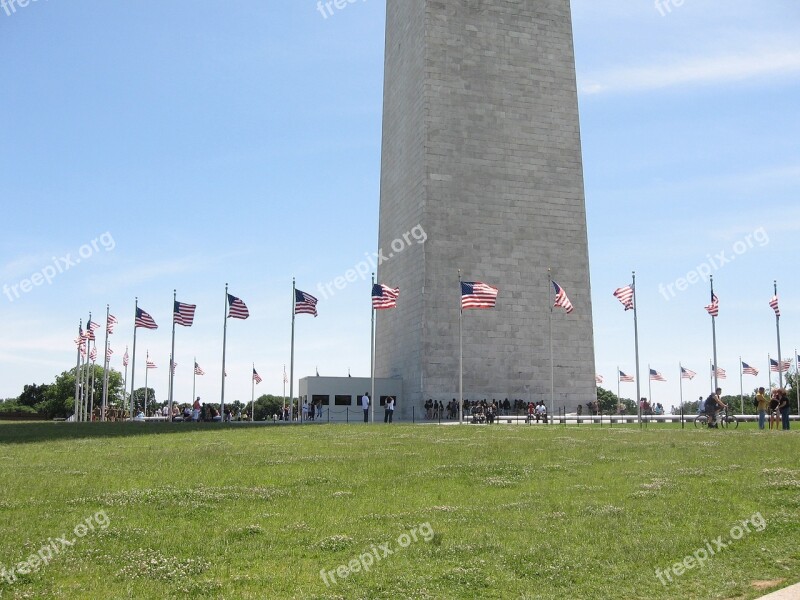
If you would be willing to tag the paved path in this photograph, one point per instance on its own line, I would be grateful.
(790, 593)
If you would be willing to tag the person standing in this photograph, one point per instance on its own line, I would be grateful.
(762, 401)
(389, 410)
(773, 409)
(196, 410)
(783, 407)
(365, 406)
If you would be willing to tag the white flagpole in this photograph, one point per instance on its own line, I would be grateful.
(372, 356)
(552, 366)
(85, 386)
(133, 360)
(291, 358)
(105, 372)
(636, 346)
(649, 384)
(680, 379)
(619, 398)
(714, 337)
(741, 385)
(194, 379)
(146, 373)
(778, 330)
(284, 391)
(91, 385)
(797, 378)
(77, 370)
(124, 384)
(253, 393)
(460, 351)
(224, 342)
(769, 371)
(172, 354)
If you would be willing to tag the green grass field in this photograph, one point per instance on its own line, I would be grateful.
(497, 512)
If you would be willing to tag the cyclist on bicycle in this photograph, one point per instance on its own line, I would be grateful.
(714, 404)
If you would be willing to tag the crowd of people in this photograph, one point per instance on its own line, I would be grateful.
(484, 411)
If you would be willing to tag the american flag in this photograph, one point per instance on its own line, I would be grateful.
(384, 297)
(598, 379)
(151, 364)
(785, 365)
(285, 378)
(174, 364)
(109, 352)
(713, 308)
(721, 373)
(125, 358)
(82, 350)
(198, 370)
(774, 305)
(236, 308)
(91, 327)
(256, 376)
(748, 370)
(656, 376)
(183, 314)
(476, 294)
(625, 295)
(93, 353)
(304, 304)
(626, 378)
(561, 299)
(81, 337)
(144, 320)
(110, 322)
(687, 373)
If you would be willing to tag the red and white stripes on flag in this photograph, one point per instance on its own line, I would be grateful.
(656, 376)
(143, 319)
(774, 305)
(174, 364)
(93, 353)
(256, 376)
(784, 366)
(183, 314)
(110, 322)
(721, 373)
(687, 373)
(713, 308)
(561, 299)
(748, 370)
(384, 297)
(91, 327)
(625, 378)
(304, 304)
(109, 352)
(598, 379)
(125, 358)
(236, 308)
(198, 370)
(625, 295)
(476, 294)
(151, 364)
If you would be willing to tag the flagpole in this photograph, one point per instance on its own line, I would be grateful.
(769, 370)
(284, 392)
(105, 372)
(91, 385)
(291, 361)
(253, 393)
(714, 336)
(172, 353)
(741, 385)
(680, 379)
(636, 346)
(125, 383)
(85, 391)
(133, 358)
(146, 373)
(460, 351)
(372, 356)
(77, 368)
(649, 384)
(778, 330)
(797, 379)
(224, 342)
(194, 378)
(552, 367)
(618, 390)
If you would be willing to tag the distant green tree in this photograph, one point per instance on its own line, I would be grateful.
(33, 394)
(609, 402)
(138, 400)
(268, 405)
(59, 399)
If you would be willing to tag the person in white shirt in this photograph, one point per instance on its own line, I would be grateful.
(387, 417)
(365, 406)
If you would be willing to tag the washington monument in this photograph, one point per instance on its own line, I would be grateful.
(481, 149)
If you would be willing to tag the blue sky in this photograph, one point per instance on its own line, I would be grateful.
(240, 142)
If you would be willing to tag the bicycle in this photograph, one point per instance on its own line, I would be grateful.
(724, 418)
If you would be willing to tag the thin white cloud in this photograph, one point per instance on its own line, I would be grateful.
(731, 68)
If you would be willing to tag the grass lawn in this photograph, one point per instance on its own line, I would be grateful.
(209, 511)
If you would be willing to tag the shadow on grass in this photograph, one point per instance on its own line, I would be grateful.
(27, 433)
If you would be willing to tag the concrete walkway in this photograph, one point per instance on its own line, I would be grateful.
(789, 593)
